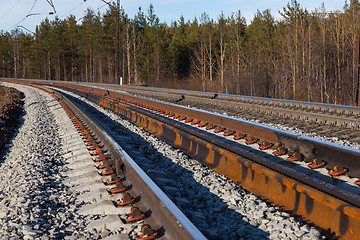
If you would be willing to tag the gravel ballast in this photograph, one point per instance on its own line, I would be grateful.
(217, 206)
(34, 203)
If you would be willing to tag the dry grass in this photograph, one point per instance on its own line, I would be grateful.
(11, 107)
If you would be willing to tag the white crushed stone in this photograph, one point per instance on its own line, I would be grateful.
(34, 203)
(220, 208)
(298, 131)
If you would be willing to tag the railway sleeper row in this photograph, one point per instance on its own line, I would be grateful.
(102, 186)
(330, 115)
(281, 103)
(333, 119)
(332, 214)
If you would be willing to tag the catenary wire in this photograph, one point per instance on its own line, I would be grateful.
(10, 10)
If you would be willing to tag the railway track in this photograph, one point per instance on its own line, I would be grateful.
(120, 197)
(284, 168)
(141, 198)
(305, 116)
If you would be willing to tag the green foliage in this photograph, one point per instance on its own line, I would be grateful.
(310, 56)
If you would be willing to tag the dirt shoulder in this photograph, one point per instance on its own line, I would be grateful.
(11, 107)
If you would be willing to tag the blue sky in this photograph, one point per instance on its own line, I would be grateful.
(14, 12)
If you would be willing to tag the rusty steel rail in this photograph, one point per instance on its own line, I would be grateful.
(160, 213)
(327, 206)
(330, 114)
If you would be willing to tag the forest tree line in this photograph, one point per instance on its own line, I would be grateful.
(310, 56)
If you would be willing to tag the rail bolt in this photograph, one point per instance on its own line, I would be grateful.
(229, 132)
(335, 171)
(188, 120)
(239, 136)
(219, 129)
(119, 187)
(104, 164)
(147, 233)
(114, 179)
(251, 140)
(280, 151)
(296, 156)
(126, 199)
(195, 121)
(316, 163)
(357, 182)
(134, 215)
(108, 171)
(265, 145)
(202, 124)
(211, 126)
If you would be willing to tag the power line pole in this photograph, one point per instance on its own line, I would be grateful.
(358, 76)
(117, 40)
(37, 52)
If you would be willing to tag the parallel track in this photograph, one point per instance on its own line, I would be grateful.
(316, 197)
(310, 117)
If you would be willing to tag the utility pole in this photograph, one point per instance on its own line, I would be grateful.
(358, 77)
(117, 39)
(37, 52)
(117, 47)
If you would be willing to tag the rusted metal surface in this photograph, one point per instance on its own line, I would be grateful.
(358, 74)
(253, 171)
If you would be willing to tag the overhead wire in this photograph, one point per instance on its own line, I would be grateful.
(50, 2)
(30, 14)
(19, 22)
(27, 15)
(10, 9)
(100, 7)
(31, 8)
(72, 9)
(94, 11)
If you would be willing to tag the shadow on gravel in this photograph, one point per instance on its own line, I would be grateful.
(206, 210)
(181, 99)
(11, 119)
